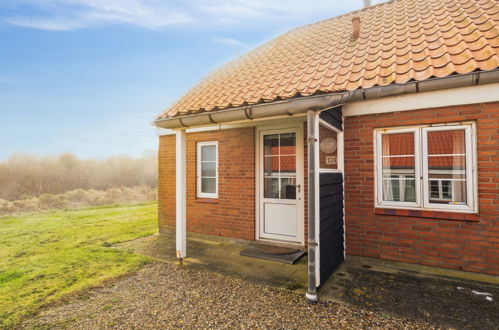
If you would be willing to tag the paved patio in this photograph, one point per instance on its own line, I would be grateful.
(409, 291)
(221, 255)
(416, 292)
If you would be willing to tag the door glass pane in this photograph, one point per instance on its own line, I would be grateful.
(208, 185)
(271, 165)
(208, 169)
(287, 143)
(398, 163)
(288, 188)
(279, 165)
(208, 153)
(288, 165)
(447, 167)
(271, 145)
(271, 188)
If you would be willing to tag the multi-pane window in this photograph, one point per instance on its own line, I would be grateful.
(207, 169)
(279, 165)
(398, 162)
(426, 167)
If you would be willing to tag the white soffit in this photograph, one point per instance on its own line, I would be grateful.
(442, 98)
(255, 122)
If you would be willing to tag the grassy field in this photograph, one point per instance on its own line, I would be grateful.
(46, 255)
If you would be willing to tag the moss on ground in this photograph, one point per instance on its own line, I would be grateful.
(46, 255)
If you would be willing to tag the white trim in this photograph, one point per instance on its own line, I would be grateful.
(341, 161)
(421, 168)
(199, 177)
(470, 182)
(340, 153)
(328, 125)
(260, 122)
(287, 126)
(180, 200)
(339, 146)
(378, 167)
(317, 199)
(448, 97)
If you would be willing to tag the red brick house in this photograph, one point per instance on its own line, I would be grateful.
(375, 133)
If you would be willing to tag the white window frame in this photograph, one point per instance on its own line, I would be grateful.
(470, 180)
(378, 152)
(200, 193)
(441, 190)
(421, 168)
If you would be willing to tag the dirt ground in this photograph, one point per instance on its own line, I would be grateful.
(162, 295)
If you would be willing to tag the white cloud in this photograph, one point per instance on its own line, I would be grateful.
(60, 24)
(251, 10)
(74, 14)
(228, 41)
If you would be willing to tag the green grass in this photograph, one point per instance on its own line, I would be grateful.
(46, 255)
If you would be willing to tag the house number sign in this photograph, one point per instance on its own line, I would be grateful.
(331, 160)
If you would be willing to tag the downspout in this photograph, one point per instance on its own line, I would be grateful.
(311, 294)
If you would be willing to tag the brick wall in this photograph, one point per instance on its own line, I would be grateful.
(464, 245)
(233, 213)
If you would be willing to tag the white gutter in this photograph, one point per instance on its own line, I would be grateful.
(320, 102)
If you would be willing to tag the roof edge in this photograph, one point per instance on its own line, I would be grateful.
(301, 105)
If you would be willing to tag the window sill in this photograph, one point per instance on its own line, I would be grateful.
(429, 214)
(206, 200)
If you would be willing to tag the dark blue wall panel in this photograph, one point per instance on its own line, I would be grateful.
(333, 116)
(331, 223)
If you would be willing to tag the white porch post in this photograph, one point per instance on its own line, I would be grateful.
(180, 210)
(313, 265)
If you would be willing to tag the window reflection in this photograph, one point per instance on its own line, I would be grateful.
(328, 145)
(279, 163)
(398, 162)
(447, 167)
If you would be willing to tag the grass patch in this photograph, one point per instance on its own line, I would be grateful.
(46, 255)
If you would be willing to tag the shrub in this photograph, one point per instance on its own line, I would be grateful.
(4, 206)
(80, 198)
(24, 175)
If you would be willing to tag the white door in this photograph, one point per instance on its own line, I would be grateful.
(281, 185)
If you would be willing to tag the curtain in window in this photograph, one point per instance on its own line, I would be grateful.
(398, 162)
(447, 166)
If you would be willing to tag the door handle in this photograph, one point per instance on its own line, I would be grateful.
(298, 186)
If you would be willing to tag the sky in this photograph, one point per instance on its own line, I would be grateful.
(89, 76)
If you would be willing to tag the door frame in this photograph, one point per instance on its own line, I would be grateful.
(298, 128)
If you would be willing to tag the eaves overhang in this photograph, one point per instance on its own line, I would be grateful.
(300, 105)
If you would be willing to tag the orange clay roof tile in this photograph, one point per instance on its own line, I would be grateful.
(399, 41)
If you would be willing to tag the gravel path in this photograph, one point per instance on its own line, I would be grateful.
(163, 295)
